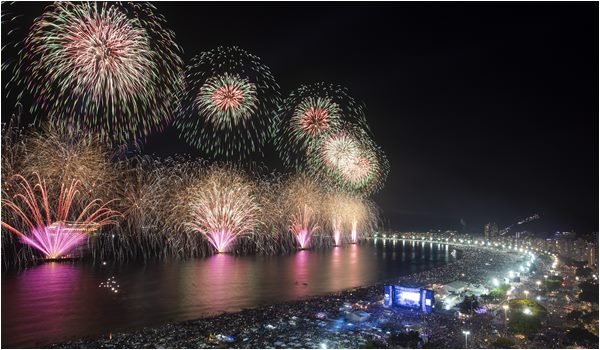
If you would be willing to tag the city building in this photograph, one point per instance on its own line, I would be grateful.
(490, 231)
(591, 255)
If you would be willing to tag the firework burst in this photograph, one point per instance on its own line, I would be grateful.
(229, 103)
(224, 207)
(315, 116)
(54, 231)
(310, 113)
(339, 151)
(111, 68)
(349, 161)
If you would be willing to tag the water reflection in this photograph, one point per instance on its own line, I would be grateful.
(300, 272)
(47, 292)
(59, 301)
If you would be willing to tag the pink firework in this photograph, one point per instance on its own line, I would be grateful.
(226, 101)
(337, 208)
(221, 239)
(49, 229)
(227, 97)
(303, 226)
(337, 230)
(354, 233)
(224, 208)
(314, 120)
(55, 240)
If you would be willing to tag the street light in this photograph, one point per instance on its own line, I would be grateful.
(466, 333)
(505, 307)
(527, 311)
(526, 294)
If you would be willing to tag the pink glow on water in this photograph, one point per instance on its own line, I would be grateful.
(300, 270)
(221, 240)
(54, 241)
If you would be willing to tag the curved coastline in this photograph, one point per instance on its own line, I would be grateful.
(282, 325)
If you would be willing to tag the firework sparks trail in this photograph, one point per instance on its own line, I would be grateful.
(353, 213)
(224, 208)
(14, 29)
(336, 223)
(354, 233)
(336, 208)
(50, 231)
(303, 226)
(302, 198)
(55, 240)
(83, 157)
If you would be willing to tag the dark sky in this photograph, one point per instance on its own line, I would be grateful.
(487, 112)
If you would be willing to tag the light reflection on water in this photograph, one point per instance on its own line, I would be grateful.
(60, 301)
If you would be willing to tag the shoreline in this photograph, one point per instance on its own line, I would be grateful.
(290, 324)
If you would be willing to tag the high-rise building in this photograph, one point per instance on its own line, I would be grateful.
(490, 231)
(578, 250)
(591, 255)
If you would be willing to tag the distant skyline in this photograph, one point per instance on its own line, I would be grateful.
(486, 111)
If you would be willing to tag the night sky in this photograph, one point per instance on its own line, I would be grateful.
(487, 112)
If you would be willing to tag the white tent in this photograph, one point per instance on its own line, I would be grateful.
(456, 287)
